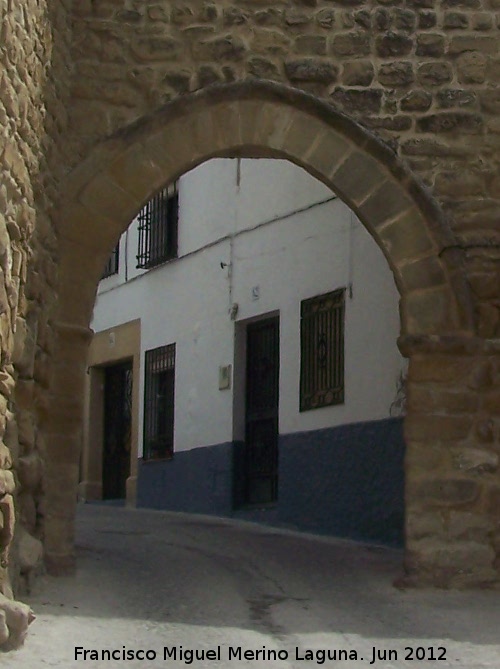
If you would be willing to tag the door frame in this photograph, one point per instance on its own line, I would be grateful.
(107, 348)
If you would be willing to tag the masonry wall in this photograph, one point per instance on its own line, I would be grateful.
(423, 74)
(34, 92)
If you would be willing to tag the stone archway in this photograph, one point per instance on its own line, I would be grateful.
(104, 193)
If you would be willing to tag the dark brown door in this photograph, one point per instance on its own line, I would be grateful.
(117, 430)
(261, 412)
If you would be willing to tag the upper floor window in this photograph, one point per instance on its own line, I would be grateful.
(113, 263)
(158, 221)
(322, 350)
(159, 402)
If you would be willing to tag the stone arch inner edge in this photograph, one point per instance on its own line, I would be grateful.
(107, 189)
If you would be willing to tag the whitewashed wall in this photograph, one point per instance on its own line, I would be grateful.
(280, 237)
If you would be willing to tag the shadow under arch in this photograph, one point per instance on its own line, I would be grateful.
(250, 119)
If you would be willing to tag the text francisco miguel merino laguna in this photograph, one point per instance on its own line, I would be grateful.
(236, 653)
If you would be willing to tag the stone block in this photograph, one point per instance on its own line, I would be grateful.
(422, 427)
(430, 311)
(24, 349)
(481, 43)
(482, 21)
(425, 399)
(327, 152)
(311, 70)
(8, 515)
(484, 283)
(459, 184)
(488, 316)
(471, 68)
(404, 230)
(30, 551)
(18, 617)
(358, 73)
(234, 16)
(424, 524)
(455, 21)
(358, 101)
(4, 630)
(311, 45)
(446, 492)
(466, 526)
(263, 68)
(295, 17)
(422, 273)
(5, 457)
(491, 402)
(448, 98)
(416, 100)
(434, 74)
(106, 199)
(465, 4)
(156, 48)
(226, 47)
(457, 564)
(493, 502)
(404, 19)
(426, 20)
(481, 377)
(29, 470)
(424, 457)
(27, 511)
(7, 482)
(490, 100)
(208, 74)
(26, 428)
(59, 536)
(11, 436)
(484, 431)
(354, 43)
(475, 460)
(396, 74)
(445, 122)
(357, 176)
(325, 18)
(393, 44)
(430, 44)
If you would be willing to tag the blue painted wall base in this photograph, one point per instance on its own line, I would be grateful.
(346, 481)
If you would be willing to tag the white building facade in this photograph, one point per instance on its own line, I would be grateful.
(253, 372)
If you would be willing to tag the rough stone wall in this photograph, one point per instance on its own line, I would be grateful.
(34, 89)
(423, 74)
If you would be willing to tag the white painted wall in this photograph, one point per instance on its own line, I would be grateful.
(276, 229)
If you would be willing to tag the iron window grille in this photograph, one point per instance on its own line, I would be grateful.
(159, 403)
(158, 223)
(112, 265)
(322, 350)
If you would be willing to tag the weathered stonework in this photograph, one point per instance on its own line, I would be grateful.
(395, 107)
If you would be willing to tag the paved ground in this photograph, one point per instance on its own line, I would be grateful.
(152, 581)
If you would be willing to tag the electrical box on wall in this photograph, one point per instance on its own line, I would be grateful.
(225, 377)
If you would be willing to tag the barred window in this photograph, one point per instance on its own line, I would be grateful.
(113, 263)
(159, 403)
(158, 221)
(322, 350)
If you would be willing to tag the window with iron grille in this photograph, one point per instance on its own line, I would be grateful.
(112, 264)
(322, 350)
(159, 403)
(158, 221)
